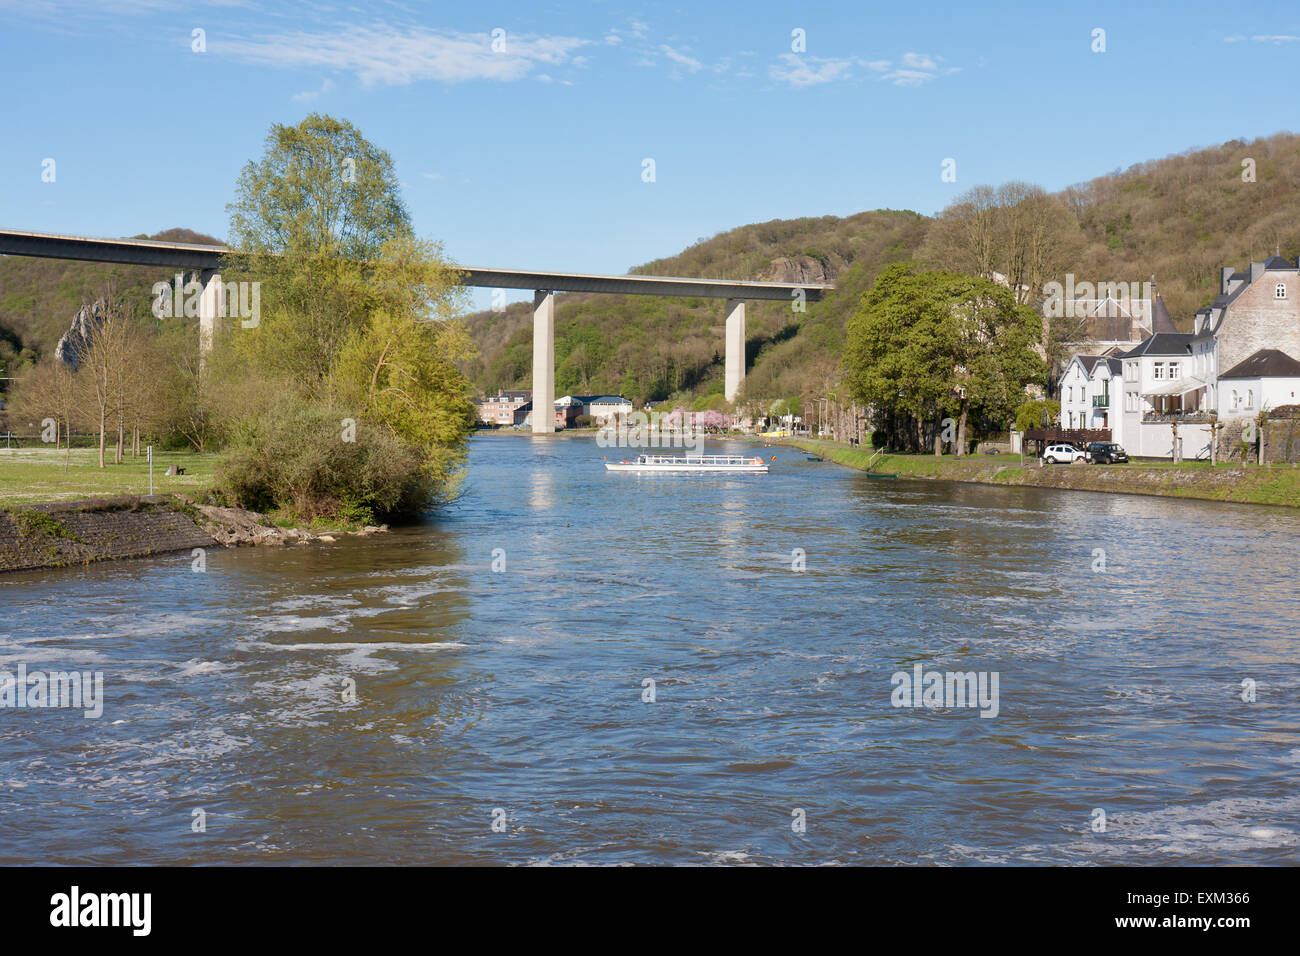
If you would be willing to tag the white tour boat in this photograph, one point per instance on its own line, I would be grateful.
(743, 464)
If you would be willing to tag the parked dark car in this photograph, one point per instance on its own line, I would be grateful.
(1106, 453)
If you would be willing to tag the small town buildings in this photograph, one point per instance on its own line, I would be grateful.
(603, 408)
(1089, 386)
(1241, 357)
(606, 408)
(1267, 380)
(501, 408)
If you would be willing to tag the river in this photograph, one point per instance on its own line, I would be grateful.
(396, 699)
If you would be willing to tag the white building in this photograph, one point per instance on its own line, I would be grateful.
(1089, 385)
(1169, 383)
(1266, 381)
(606, 407)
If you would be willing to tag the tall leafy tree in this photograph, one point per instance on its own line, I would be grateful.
(320, 188)
(357, 315)
(925, 346)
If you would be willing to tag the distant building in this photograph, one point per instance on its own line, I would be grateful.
(515, 408)
(606, 407)
(501, 408)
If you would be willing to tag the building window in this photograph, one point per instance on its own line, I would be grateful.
(1250, 398)
(1279, 291)
(1175, 369)
(1158, 370)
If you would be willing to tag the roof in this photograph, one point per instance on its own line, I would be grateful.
(609, 400)
(1266, 363)
(1162, 343)
(1160, 320)
(1277, 262)
(1116, 366)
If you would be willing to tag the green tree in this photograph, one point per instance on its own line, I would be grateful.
(357, 314)
(926, 346)
(1031, 414)
(400, 369)
(321, 188)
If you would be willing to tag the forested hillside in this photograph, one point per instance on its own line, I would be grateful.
(651, 348)
(39, 297)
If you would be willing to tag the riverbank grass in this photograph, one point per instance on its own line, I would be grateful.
(1250, 484)
(34, 475)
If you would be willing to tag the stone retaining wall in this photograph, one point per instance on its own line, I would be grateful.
(67, 533)
(1281, 441)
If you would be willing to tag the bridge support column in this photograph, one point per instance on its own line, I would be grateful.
(543, 362)
(210, 307)
(735, 369)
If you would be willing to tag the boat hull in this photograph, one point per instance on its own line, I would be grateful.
(686, 468)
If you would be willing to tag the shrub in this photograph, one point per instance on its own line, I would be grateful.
(295, 458)
(585, 421)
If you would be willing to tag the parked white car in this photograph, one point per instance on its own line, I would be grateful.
(1066, 454)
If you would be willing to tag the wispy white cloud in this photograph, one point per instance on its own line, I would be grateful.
(800, 71)
(916, 69)
(908, 77)
(1277, 39)
(681, 59)
(308, 96)
(380, 55)
(913, 69)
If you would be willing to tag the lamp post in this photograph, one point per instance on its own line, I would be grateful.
(149, 453)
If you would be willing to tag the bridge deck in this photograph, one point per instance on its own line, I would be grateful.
(180, 255)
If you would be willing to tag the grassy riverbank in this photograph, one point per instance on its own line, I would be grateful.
(30, 475)
(1276, 485)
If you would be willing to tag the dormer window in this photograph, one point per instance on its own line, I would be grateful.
(1279, 291)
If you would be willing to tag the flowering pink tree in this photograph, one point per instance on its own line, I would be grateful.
(714, 421)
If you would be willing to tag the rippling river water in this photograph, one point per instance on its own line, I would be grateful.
(516, 696)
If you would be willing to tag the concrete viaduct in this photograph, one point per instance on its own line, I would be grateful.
(206, 261)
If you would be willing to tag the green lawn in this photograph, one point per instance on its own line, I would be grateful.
(31, 475)
(1276, 485)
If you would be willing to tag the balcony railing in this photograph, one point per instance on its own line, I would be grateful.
(1193, 417)
(1101, 401)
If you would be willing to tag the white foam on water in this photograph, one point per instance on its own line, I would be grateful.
(195, 668)
(365, 646)
(288, 623)
(301, 602)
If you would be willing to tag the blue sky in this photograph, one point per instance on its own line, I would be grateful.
(532, 156)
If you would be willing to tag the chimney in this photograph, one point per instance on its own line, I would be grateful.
(1225, 276)
(1256, 270)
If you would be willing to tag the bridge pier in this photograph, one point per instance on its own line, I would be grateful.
(210, 307)
(735, 369)
(543, 362)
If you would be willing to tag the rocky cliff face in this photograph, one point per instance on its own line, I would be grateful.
(75, 342)
(798, 269)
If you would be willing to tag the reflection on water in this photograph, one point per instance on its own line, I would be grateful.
(376, 699)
